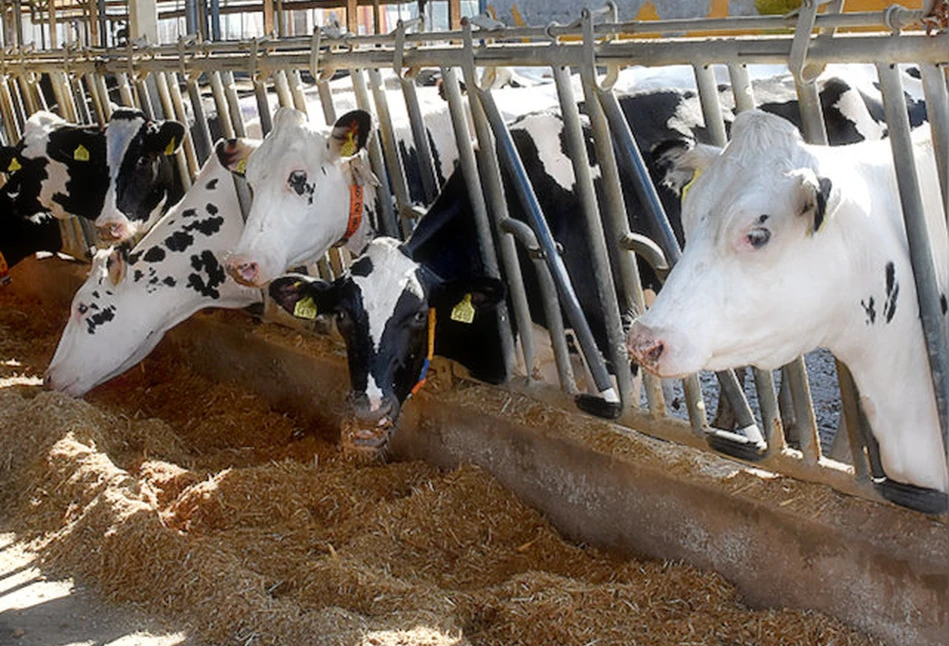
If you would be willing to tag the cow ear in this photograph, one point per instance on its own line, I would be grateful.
(234, 153)
(117, 263)
(818, 199)
(303, 296)
(9, 160)
(467, 296)
(350, 133)
(166, 138)
(680, 161)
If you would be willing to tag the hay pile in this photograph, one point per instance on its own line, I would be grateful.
(195, 500)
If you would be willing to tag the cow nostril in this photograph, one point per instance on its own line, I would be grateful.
(652, 354)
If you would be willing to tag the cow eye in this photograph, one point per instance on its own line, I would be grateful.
(342, 317)
(297, 181)
(143, 162)
(82, 308)
(758, 237)
(420, 317)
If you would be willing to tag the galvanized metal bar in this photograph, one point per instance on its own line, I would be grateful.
(202, 139)
(82, 101)
(263, 104)
(388, 224)
(393, 159)
(486, 196)
(423, 148)
(282, 87)
(19, 108)
(937, 112)
(805, 420)
(711, 106)
(63, 94)
(168, 108)
(126, 96)
(97, 104)
(741, 87)
(598, 256)
(855, 436)
(10, 126)
(178, 109)
(326, 101)
(104, 97)
(768, 407)
(296, 91)
(233, 104)
(220, 104)
(917, 234)
(144, 98)
(548, 295)
(27, 96)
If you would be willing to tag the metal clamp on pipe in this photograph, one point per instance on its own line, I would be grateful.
(649, 251)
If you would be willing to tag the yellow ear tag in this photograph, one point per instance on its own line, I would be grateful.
(170, 148)
(348, 148)
(685, 189)
(241, 166)
(80, 154)
(464, 311)
(14, 165)
(305, 308)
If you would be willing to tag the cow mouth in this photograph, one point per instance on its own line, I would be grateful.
(366, 443)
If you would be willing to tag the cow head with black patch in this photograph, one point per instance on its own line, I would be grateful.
(382, 309)
(756, 245)
(57, 167)
(142, 179)
(303, 183)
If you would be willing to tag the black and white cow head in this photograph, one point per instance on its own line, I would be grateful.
(142, 180)
(382, 307)
(304, 193)
(56, 167)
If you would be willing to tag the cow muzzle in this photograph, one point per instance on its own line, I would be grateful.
(646, 347)
(246, 272)
(365, 433)
(112, 232)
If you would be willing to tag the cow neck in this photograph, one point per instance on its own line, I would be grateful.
(428, 356)
(355, 213)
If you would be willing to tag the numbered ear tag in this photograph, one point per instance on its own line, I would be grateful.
(81, 154)
(305, 308)
(348, 148)
(241, 166)
(14, 165)
(170, 148)
(464, 311)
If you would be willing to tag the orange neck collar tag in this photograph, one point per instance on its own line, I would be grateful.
(355, 213)
(4, 271)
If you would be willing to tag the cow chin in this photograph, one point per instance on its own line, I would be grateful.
(365, 435)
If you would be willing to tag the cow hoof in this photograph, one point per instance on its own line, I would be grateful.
(928, 501)
(737, 445)
(598, 406)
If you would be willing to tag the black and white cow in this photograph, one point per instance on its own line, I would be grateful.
(23, 236)
(131, 298)
(386, 293)
(793, 247)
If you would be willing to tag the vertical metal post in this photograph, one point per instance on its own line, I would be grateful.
(423, 148)
(388, 223)
(233, 104)
(598, 255)
(178, 109)
(741, 87)
(937, 111)
(7, 112)
(202, 143)
(282, 87)
(917, 234)
(220, 103)
(82, 102)
(263, 103)
(168, 108)
(144, 96)
(711, 107)
(326, 101)
(215, 16)
(392, 158)
(296, 91)
(125, 90)
(98, 102)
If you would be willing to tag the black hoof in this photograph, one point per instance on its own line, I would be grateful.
(928, 501)
(736, 445)
(598, 406)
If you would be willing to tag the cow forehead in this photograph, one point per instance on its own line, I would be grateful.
(297, 145)
(393, 276)
(121, 132)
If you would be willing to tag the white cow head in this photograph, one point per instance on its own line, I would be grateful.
(131, 298)
(748, 289)
(141, 174)
(303, 187)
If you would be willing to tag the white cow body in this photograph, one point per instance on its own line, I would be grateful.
(757, 285)
(128, 303)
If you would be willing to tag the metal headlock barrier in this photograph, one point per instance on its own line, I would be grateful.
(221, 83)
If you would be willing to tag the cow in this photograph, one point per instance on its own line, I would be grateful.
(303, 179)
(793, 247)
(132, 297)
